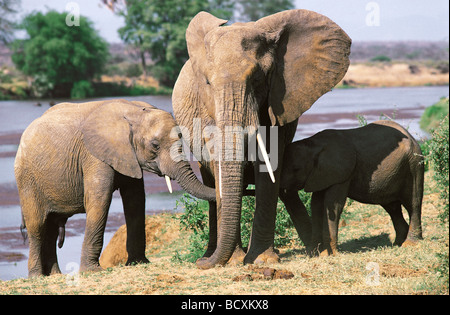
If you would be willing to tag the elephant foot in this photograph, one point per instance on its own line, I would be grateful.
(54, 270)
(209, 251)
(136, 261)
(206, 263)
(238, 257)
(93, 267)
(269, 256)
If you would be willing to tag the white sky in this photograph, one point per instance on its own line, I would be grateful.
(362, 20)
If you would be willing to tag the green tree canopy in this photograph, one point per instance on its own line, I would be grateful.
(159, 27)
(252, 10)
(7, 8)
(57, 55)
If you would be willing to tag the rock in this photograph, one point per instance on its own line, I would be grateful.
(159, 232)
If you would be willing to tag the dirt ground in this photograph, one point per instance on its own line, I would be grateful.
(367, 263)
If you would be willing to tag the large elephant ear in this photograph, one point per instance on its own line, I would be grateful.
(199, 26)
(334, 160)
(106, 133)
(311, 58)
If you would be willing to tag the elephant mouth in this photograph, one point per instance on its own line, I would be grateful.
(152, 167)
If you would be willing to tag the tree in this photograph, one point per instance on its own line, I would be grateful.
(158, 27)
(57, 55)
(252, 10)
(7, 7)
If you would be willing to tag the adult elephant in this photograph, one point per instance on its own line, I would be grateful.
(247, 75)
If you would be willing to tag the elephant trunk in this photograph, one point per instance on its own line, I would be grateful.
(233, 117)
(229, 212)
(190, 183)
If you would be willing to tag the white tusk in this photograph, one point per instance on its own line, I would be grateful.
(169, 185)
(265, 156)
(220, 180)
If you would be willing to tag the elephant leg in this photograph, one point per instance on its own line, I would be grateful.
(36, 232)
(317, 214)
(298, 214)
(263, 230)
(401, 227)
(209, 181)
(97, 199)
(413, 204)
(133, 198)
(50, 260)
(35, 218)
(334, 202)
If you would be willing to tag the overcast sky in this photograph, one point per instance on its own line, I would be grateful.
(362, 20)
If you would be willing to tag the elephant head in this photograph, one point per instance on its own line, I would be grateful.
(263, 73)
(318, 162)
(136, 136)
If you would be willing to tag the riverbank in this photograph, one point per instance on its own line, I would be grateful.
(359, 74)
(394, 74)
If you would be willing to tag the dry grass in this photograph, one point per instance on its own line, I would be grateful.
(365, 242)
(393, 74)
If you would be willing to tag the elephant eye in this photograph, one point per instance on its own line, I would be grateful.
(207, 82)
(154, 144)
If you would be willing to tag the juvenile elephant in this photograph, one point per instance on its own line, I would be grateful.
(72, 158)
(380, 163)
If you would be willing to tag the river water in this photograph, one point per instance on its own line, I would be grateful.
(337, 109)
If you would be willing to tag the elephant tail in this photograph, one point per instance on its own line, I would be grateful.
(61, 232)
(23, 230)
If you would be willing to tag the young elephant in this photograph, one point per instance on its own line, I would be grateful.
(71, 160)
(380, 163)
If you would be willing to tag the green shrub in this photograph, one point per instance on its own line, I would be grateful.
(381, 58)
(194, 219)
(81, 89)
(438, 156)
(434, 114)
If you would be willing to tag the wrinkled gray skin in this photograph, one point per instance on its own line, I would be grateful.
(72, 158)
(380, 163)
(263, 73)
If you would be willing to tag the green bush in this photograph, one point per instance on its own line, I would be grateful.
(381, 58)
(439, 158)
(81, 89)
(434, 114)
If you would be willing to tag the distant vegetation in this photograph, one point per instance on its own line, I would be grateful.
(400, 50)
(61, 60)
